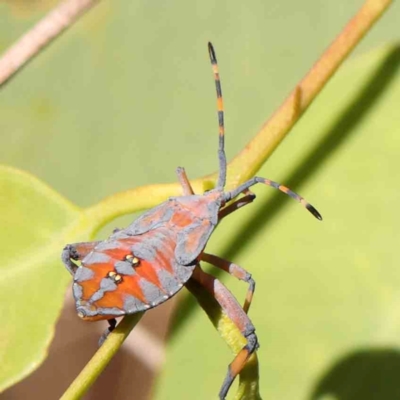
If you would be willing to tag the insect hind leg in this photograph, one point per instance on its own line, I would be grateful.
(236, 366)
(236, 314)
(236, 271)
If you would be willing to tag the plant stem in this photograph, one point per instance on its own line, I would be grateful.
(136, 199)
(46, 30)
(101, 358)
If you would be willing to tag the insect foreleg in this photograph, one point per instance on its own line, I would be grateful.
(243, 201)
(233, 310)
(76, 251)
(236, 271)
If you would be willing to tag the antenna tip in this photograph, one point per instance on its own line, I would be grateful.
(314, 212)
(211, 51)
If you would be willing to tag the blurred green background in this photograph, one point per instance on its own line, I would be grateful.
(126, 95)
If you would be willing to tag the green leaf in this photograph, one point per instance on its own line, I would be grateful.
(40, 223)
(324, 290)
(35, 221)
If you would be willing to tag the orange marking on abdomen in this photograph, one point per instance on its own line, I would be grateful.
(147, 271)
(92, 285)
(164, 262)
(111, 299)
(130, 285)
(118, 254)
(89, 288)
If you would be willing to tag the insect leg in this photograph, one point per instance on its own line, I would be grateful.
(76, 251)
(237, 204)
(112, 324)
(236, 271)
(233, 310)
(231, 195)
(184, 181)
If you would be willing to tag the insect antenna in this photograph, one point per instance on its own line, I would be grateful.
(235, 192)
(220, 110)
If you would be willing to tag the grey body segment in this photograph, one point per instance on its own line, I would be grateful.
(133, 305)
(205, 208)
(106, 285)
(171, 282)
(97, 257)
(185, 255)
(124, 268)
(182, 273)
(77, 291)
(110, 243)
(147, 221)
(152, 293)
(83, 274)
(86, 311)
(145, 250)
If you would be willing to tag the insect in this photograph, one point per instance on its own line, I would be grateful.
(145, 264)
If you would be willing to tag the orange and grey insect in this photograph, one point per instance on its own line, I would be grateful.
(148, 262)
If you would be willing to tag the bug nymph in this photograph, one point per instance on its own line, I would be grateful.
(148, 262)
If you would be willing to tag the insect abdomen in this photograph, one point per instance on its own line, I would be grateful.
(152, 279)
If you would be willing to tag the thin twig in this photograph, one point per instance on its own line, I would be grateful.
(47, 29)
(101, 359)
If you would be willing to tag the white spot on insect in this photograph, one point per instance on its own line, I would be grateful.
(132, 259)
(115, 277)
